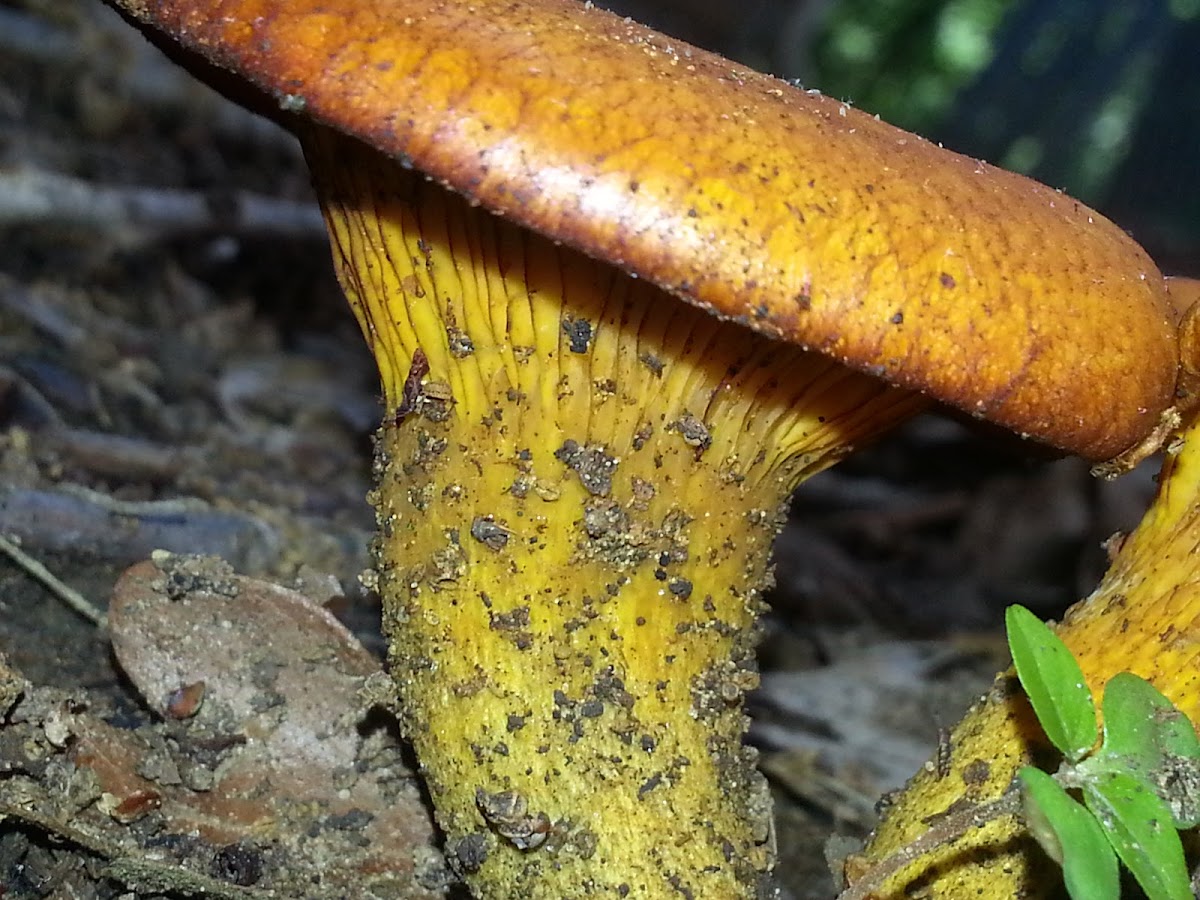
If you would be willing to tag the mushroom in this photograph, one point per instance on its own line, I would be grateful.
(580, 476)
(1144, 618)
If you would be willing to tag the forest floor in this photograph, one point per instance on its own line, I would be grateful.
(178, 372)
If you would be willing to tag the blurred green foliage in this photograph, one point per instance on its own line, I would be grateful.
(902, 59)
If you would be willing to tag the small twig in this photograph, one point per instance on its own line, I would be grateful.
(133, 215)
(945, 832)
(149, 875)
(64, 592)
(172, 506)
(15, 806)
(156, 877)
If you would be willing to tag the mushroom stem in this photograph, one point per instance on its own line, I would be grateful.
(1143, 618)
(578, 486)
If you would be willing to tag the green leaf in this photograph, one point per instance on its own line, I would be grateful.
(1054, 682)
(1145, 735)
(1138, 824)
(1143, 725)
(1071, 836)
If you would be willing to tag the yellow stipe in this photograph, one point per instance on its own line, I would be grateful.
(577, 507)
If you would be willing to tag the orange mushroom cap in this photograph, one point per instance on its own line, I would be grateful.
(790, 212)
